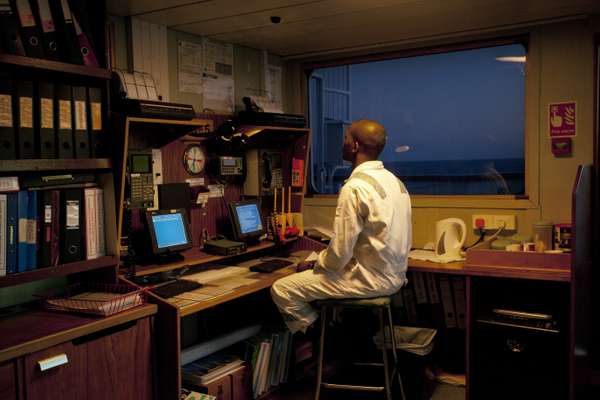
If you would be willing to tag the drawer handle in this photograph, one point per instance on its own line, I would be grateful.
(53, 362)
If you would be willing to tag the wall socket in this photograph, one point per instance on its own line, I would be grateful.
(492, 221)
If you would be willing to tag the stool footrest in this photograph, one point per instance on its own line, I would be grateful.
(353, 387)
(365, 364)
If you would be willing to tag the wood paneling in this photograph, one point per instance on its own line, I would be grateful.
(67, 381)
(8, 381)
(119, 365)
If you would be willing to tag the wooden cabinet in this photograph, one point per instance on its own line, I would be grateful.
(114, 363)
(119, 365)
(56, 373)
(8, 381)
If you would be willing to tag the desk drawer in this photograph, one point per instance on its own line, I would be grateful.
(56, 373)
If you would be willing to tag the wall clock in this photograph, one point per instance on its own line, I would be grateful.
(194, 159)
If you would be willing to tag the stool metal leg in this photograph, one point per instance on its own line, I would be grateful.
(386, 365)
(393, 338)
(321, 351)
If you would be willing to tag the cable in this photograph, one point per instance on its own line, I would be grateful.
(481, 237)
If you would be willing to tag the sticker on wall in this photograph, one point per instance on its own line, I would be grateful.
(562, 147)
(562, 119)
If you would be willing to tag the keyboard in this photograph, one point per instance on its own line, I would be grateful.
(270, 265)
(176, 287)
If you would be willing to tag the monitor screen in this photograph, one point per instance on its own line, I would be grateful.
(141, 163)
(246, 219)
(169, 230)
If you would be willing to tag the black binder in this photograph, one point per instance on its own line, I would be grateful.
(10, 39)
(72, 229)
(49, 243)
(25, 112)
(65, 29)
(95, 122)
(46, 120)
(30, 32)
(45, 21)
(7, 119)
(82, 137)
(64, 118)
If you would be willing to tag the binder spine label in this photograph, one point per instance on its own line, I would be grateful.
(72, 220)
(66, 11)
(47, 113)
(96, 116)
(6, 119)
(25, 14)
(48, 214)
(26, 112)
(65, 114)
(80, 116)
(46, 16)
(23, 222)
(31, 231)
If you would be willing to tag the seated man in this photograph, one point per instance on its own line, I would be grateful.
(367, 257)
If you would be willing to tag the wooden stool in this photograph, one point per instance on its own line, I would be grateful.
(378, 305)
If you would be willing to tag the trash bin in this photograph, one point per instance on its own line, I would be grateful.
(414, 340)
(415, 345)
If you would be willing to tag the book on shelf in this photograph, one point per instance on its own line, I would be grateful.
(209, 368)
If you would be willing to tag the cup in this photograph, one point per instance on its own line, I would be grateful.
(542, 235)
(513, 247)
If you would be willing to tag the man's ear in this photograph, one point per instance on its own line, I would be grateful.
(355, 147)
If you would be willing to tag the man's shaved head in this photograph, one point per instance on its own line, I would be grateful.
(370, 135)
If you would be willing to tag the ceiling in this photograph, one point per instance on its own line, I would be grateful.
(313, 27)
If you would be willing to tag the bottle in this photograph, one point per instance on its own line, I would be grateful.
(542, 235)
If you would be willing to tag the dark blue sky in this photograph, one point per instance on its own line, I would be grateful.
(453, 106)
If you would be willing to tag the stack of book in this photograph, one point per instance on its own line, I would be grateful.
(44, 228)
(210, 368)
(269, 357)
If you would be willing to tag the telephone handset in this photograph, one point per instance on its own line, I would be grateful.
(140, 179)
(271, 171)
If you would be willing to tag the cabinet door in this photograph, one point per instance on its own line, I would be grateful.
(120, 363)
(8, 381)
(56, 373)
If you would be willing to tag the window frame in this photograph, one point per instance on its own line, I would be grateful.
(529, 200)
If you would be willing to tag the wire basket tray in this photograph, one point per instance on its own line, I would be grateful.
(96, 298)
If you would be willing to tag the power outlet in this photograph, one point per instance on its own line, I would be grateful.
(508, 221)
(489, 221)
(481, 221)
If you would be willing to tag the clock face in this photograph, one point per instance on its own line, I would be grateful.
(194, 159)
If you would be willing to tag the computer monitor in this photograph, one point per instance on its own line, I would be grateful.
(246, 220)
(169, 231)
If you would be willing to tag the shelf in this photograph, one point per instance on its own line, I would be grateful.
(58, 271)
(54, 164)
(34, 330)
(194, 257)
(56, 66)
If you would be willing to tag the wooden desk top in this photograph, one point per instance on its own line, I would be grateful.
(517, 272)
(195, 257)
(263, 281)
(35, 330)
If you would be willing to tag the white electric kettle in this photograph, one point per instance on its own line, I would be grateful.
(450, 235)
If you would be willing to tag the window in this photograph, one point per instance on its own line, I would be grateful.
(455, 120)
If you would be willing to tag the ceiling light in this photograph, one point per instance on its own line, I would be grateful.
(513, 59)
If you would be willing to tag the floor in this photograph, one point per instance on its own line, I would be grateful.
(305, 391)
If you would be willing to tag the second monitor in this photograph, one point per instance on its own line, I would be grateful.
(246, 220)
